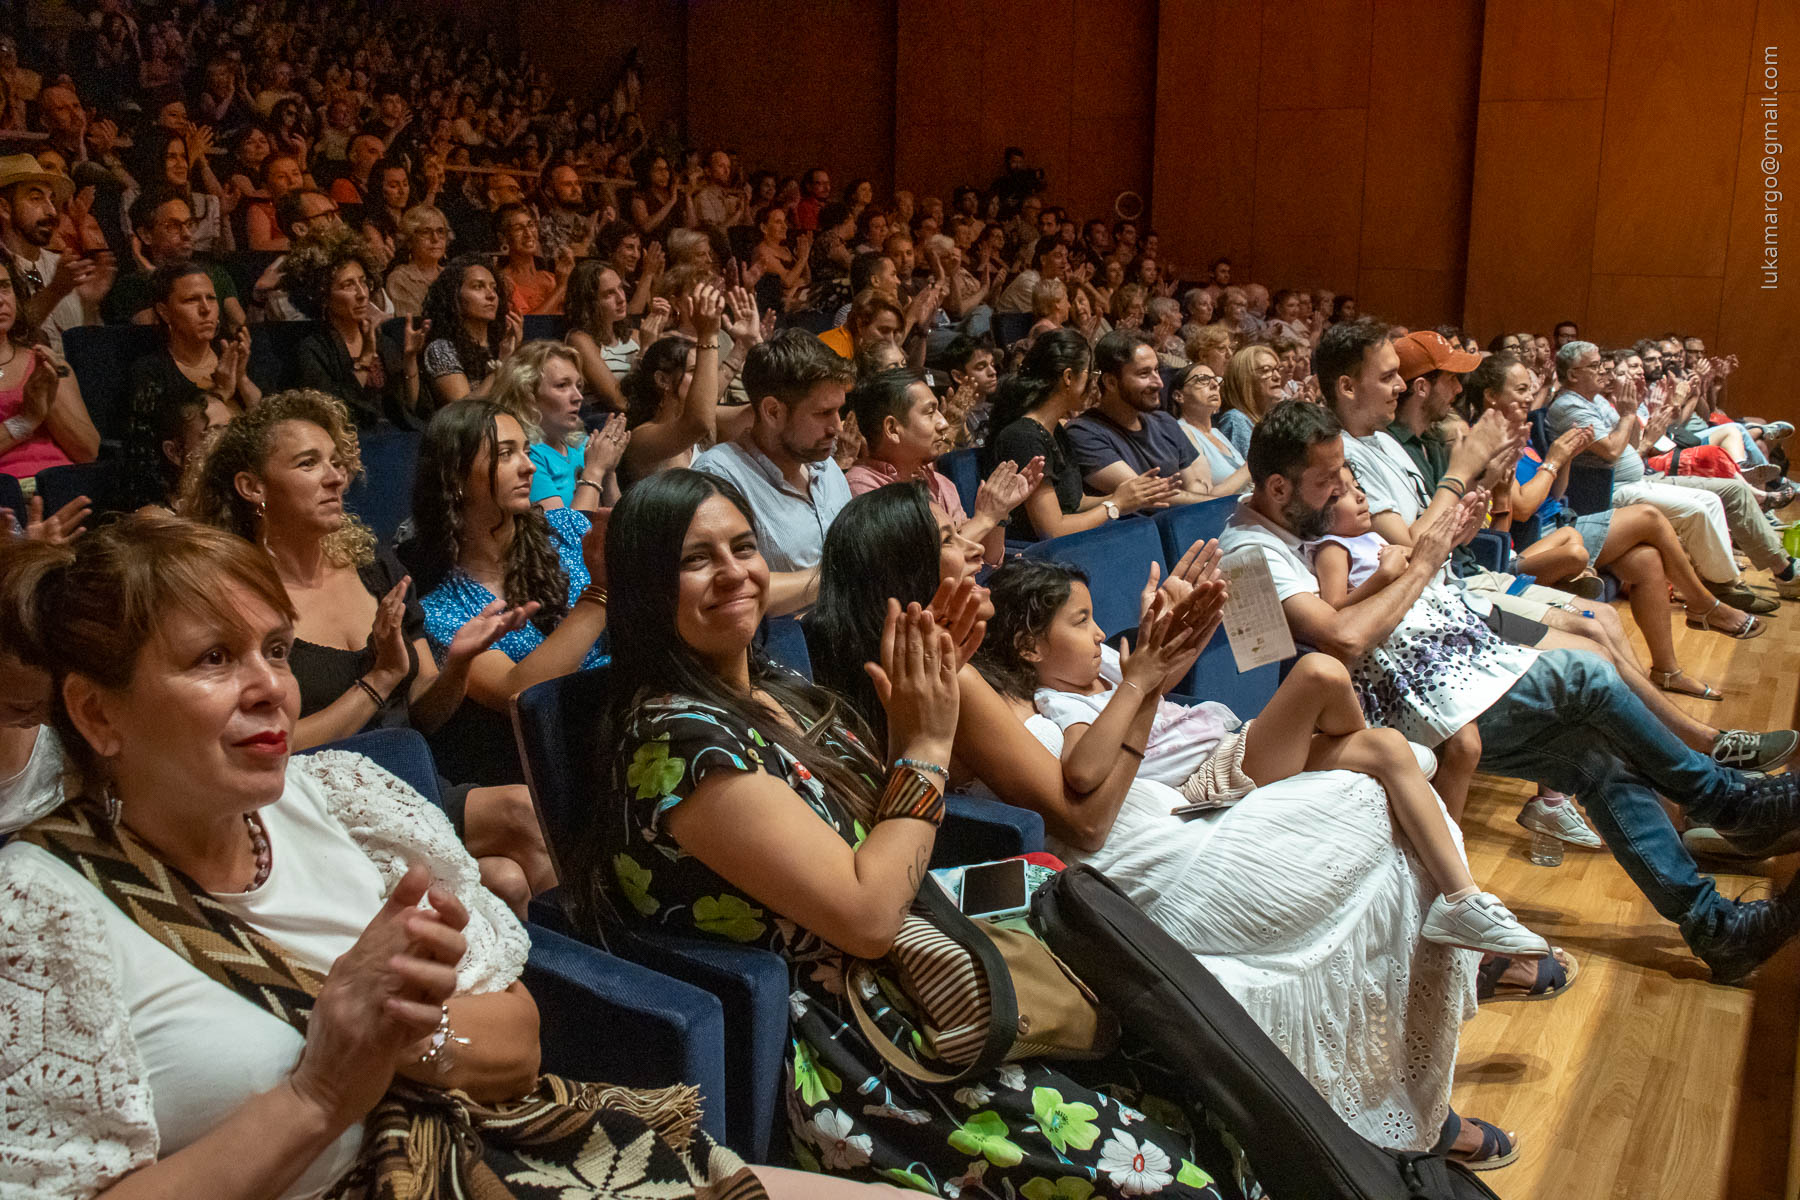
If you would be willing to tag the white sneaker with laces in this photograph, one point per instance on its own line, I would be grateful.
(1559, 821)
(1481, 922)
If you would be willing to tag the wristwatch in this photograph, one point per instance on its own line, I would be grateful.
(1112, 510)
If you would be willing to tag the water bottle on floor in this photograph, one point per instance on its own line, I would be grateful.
(1546, 850)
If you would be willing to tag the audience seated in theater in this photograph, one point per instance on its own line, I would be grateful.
(891, 543)
(1029, 419)
(599, 331)
(163, 226)
(1194, 394)
(186, 428)
(473, 326)
(737, 788)
(529, 288)
(1635, 543)
(873, 317)
(672, 395)
(281, 176)
(1558, 716)
(167, 160)
(974, 380)
(43, 422)
(782, 462)
(902, 427)
(1250, 385)
(166, 648)
(772, 256)
(276, 477)
(70, 283)
(328, 276)
(424, 242)
(1126, 434)
(540, 385)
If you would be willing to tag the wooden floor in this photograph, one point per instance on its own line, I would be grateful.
(1644, 1080)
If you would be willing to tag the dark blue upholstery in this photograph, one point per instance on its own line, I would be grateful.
(274, 352)
(1009, 327)
(99, 481)
(382, 494)
(1590, 488)
(1117, 558)
(976, 829)
(545, 327)
(557, 730)
(12, 497)
(1492, 550)
(1540, 437)
(658, 1030)
(784, 640)
(965, 472)
(101, 357)
(1215, 675)
(811, 320)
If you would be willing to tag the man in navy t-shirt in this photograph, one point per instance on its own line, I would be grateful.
(1127, 432)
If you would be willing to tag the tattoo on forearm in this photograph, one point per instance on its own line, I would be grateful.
(915, 877)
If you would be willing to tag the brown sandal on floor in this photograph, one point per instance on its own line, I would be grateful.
(1746, 629)
(1668, 681)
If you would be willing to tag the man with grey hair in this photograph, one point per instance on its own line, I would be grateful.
(1696, 513)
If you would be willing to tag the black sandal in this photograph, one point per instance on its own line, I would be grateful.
(1556, 974)
(1498, 1149)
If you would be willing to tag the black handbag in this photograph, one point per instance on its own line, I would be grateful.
(1297, 1146)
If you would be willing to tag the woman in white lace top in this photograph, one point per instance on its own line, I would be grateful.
(136, 1073)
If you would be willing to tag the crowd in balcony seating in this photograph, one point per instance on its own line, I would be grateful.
(358, 378)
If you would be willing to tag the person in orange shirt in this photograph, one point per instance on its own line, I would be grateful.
(531, 289)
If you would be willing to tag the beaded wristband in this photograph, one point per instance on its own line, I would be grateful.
(919, 764)
(910, 793)
(374, 695)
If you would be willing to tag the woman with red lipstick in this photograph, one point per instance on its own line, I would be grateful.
(276, 477)
(164, 1064)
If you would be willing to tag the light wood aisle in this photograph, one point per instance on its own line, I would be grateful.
(1641, 1080)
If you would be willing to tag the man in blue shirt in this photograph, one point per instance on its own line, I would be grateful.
(1127, 433)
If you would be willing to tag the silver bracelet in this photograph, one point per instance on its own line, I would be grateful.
(440, 1055)
(20, 427)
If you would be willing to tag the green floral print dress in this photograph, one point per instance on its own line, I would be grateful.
(1028, 1129)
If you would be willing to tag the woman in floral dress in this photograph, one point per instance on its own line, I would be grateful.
(743, 807)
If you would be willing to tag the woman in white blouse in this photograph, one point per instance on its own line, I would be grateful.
(142, 1075)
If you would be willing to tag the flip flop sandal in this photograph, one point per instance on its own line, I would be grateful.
(1498, 1149)
(1556, 974)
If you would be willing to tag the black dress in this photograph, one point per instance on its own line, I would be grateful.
(1024, 440)
(322, 361)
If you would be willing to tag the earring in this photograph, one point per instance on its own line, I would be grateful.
(110, 799)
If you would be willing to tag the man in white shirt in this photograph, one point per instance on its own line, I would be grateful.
(1568, 719)
(66, 288)
(782, 463)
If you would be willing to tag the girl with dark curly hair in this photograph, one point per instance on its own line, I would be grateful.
(330, 275)
(475, 330)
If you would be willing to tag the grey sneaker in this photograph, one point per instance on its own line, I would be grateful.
(1481, 922)
(1745, 751)
(1563, 821)
(1705, 842)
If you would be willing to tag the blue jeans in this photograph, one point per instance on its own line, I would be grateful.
(1571, 722)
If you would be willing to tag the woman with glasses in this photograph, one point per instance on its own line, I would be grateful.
(529, 288)
(1195, 392)
(1251, 387)
(425, 240)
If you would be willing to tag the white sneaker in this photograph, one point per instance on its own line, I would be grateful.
(1481, 922)
(1559, 821)
(1428, 761)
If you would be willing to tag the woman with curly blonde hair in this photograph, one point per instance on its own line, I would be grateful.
(330, 275)
(276, 476)
(540, 385)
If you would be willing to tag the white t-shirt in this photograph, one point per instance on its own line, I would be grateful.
(174, 1008)
(37, 788)
(1181, 737)
(1387, 474)
(69, 311)
(1280, 549)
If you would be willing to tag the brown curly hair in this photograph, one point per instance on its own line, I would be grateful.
(314, 262)
(209, 491)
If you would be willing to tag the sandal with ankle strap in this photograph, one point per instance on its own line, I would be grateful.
(1746, 629)
(1498, 1148)
(1666, 680)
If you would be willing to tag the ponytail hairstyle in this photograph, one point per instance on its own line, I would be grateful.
(454, 441)
(1053, 353)
(1026, 595)
(643, 394)
(89, 607)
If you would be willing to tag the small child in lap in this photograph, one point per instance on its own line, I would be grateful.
(1313, 723)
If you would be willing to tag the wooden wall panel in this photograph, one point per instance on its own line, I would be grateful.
(1545, 49)
(1315, 54)
(1623, 308)
(1309, 185)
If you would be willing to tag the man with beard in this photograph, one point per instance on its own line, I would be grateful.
(1566, 717)
(66, 288)
(1127, 433)
(783, 462)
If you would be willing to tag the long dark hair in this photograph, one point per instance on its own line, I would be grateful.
(652, 662)
(1026, 596)
(1053, 352)
(643, 395)
(884, 543)
(457, 435)
(582, 302)
(443, 308)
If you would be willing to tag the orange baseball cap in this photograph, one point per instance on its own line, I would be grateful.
(1426, 351)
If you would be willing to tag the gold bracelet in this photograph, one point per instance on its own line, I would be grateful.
(594, 594)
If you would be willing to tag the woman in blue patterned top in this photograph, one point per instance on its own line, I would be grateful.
(479, 538)
(746, 805)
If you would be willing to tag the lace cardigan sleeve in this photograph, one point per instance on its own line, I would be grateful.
(395, 826)
(75, 1106)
